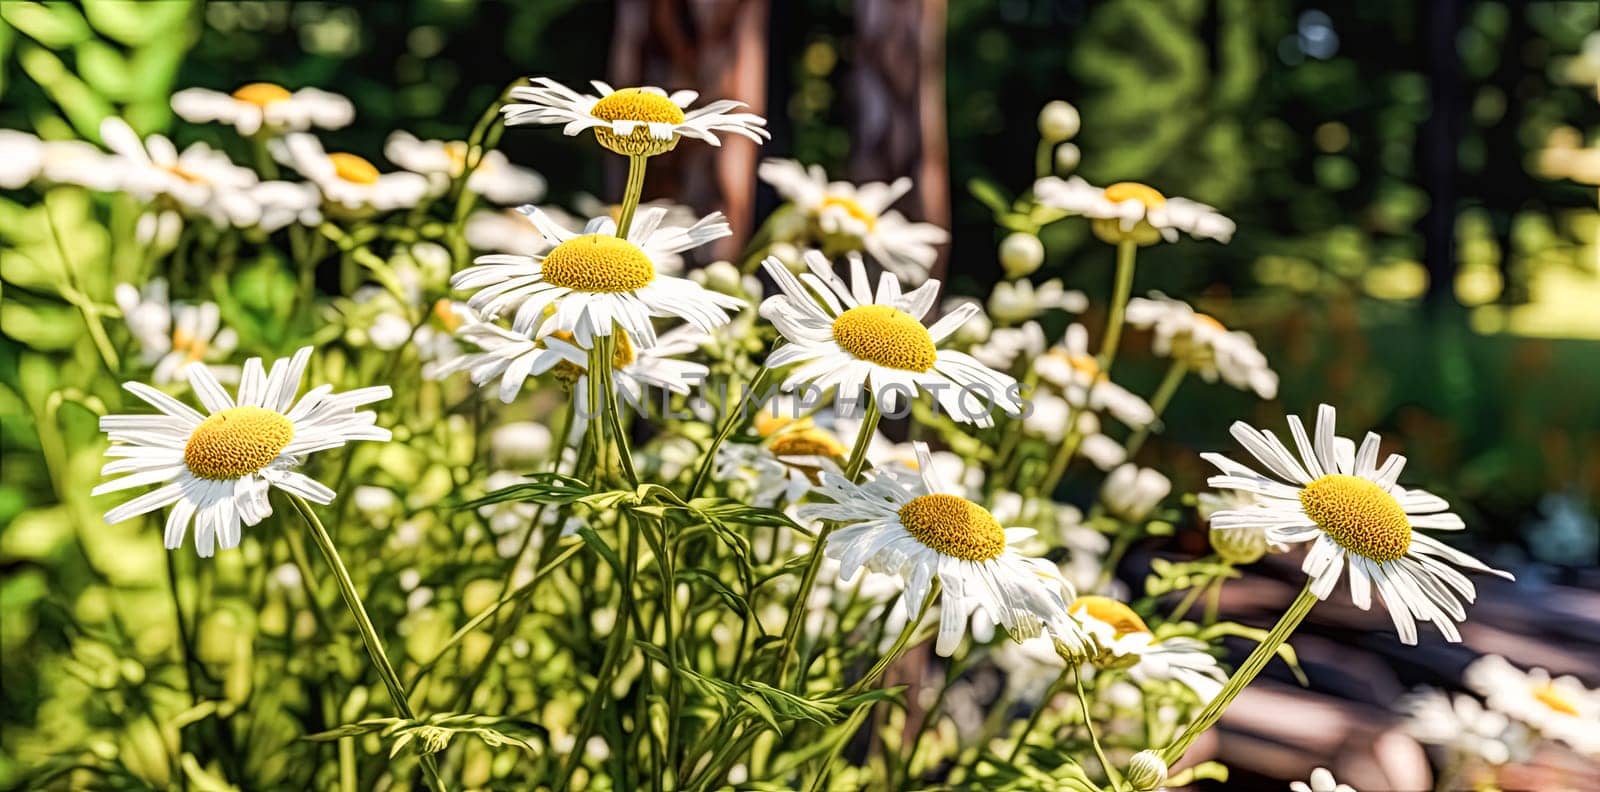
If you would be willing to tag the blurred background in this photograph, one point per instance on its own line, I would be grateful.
(1414, 182)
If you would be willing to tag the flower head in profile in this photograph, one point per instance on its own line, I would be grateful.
(910, 524)
(1353, 513)
(785, 452)
(348, 181)
(201, 181)
(30, 159)
(1236, 546)
(635, 369)
(1125, 642)
(852, 338)
(1129, 211)
(1201, 342)
(641, 122)
(1069, 366)
(215, 468)
(1132, 493)
(1558, 707)
(1321, 781)
(494, 178)
(1462, 724)
(265, 107)
(589, 283)
(172, 336)
(844, 217)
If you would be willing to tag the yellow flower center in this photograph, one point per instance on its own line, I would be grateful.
(1359, 515)
(353, 169)
(192, 347)
(1121, 617)
(236, 442)
(852, 208)
(637, 104)
(1134, 191)
(446, 315)
(766, 424)
(885, 336)
(262, 94)
(954, 526)
(456, 151)
(1207, 321)
(808, 441)
(1547, 695)
(598, 263)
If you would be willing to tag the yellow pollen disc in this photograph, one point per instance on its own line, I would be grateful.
(851, 208)
(885, 336)
(954, 526)
(1547, 695)
(457, 152)
(446, 315)
(261, 94)
(766, 424)
(236, 442)
(1359, 515)
(1134, 191)
(1208, 321)
(598, 263)
(1105, 609)
(808, 441)
(353, 169)
(633, 104)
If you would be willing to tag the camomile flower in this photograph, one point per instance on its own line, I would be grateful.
(1561, 708)
(785, 452)
(1204, 344)
(849, 337)
(346, 180)
(201, 181)
(1321, 781)
(442, 161)
(635, 370)
(913, 526)
(24, 159)
(1019, 300)
(1125, 642)
(1354, 514)
(1070, 367)
(589, 283)
(1133, 211)
(1132, 493)
(642, 121)
(843, 217)
(1052, 416)
(286, 203)
(1461, 724)
(263, 106)
(1060, 525)
(215, 468)
(502, 354)
(1236, 546)
(513, 231)
(173, 336)
(1007, 344)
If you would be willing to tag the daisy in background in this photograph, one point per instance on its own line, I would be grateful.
(200, 182)
(786, 450)
(1560, 708)
(1236, 546)
(1019, 300)
(634, 370)
(215, 468)
(442, 161)
(844, 217)
(1462, 725)
(263, 106)
(1182, 333)
(30, 159)
(172, 336)
(286, 203)
(1005, 345)
(346, 180)
(1348, 506)
(595, 281)
(1051, 418)
(850, 338)
(1132, 211)
(1321, 781)
(1070, 367)
(631, 121)
(913, 526)
(1132, 493)
(1126, 642)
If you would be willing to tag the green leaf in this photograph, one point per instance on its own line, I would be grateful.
(56, 26)
(548, 488)
(709, 578)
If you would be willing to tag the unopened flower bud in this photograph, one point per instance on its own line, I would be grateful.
(1021, 253)
(723, 278)
(1067, 157)
(1058, 121)
(1147, 771)
(1238, 546)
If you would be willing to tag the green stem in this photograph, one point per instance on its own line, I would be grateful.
(730, 422)
(369, 633)
(1158, 403)
(1244, 676)
(900, 644)
(631, 194)
(1038, 714)
(1088, 723)
(600, 359)
(1044, 159)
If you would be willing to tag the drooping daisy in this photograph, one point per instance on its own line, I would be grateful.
(1070, 367)
(595, 281)
(631, 121)
(347, 181)
(849, 337)
(1463, 725)
(265, 106)
(173, 336)
(201, 181)
(1133, 211)
(1126, 642)
(1561, 708)
(913, 526)
(842, 217)
(441, 161)
(215, 468)
(1321, 781)
(1354, 514)
(1204, 344)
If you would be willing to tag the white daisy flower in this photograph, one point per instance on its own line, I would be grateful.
(216, 468)
(1132, 493)
(1321, 781)
(286, 203)
(512, 231)
(346, 180)
(596, 281)
(1561, 708)
(914, 527)
(1463, 725)
(1050, 418)
(1006, 344)
(201, 181)
(266, 107)
(1060, 525)
(29, 159)
(586, 205)
(1204, 344)
(504, 355)
(1238, 546)
(23, 160)
(1070, 367)
(786, 453)
(843, 217)
(634, 370)
(1351, 510)
(172, 336)
(1019, 300)
(441, 161)
(631, 121)
(846, 336)
(1125, 642)
(1133, 211)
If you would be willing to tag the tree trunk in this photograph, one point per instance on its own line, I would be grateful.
(716, 47)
